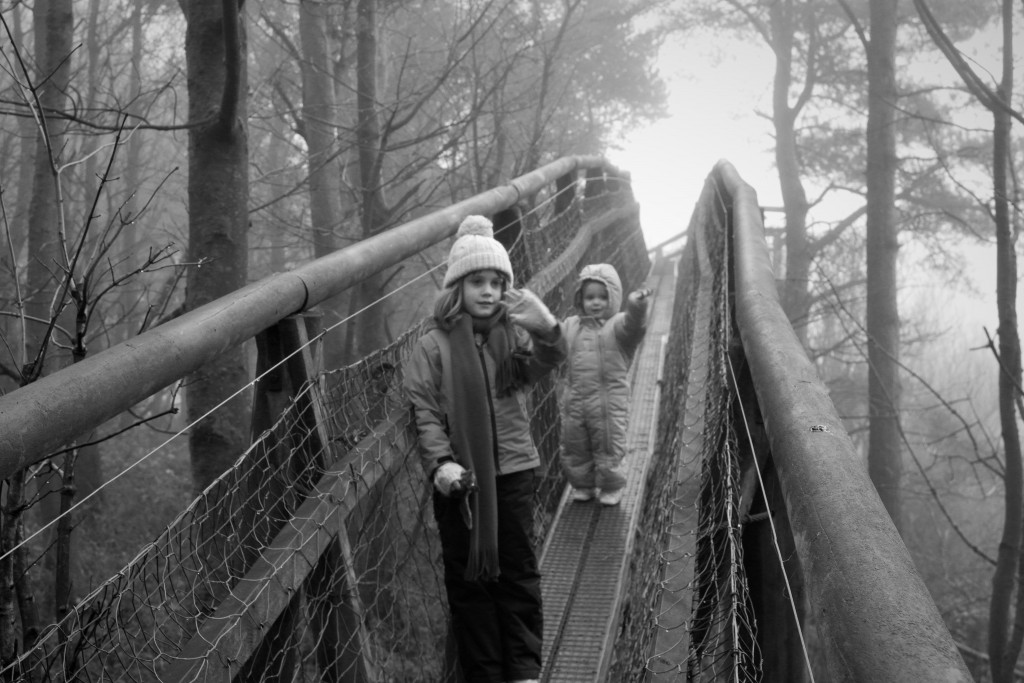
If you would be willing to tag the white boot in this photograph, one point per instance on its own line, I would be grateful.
(580, 496)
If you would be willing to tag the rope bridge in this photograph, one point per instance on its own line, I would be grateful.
(313, 557)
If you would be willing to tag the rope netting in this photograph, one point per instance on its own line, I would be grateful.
(314, 558)
(689, 611)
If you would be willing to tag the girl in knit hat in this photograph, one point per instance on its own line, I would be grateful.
(466, 379)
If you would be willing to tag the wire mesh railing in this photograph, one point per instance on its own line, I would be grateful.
(313, 557)
(701, 626)
(723, 643)
(778, 476)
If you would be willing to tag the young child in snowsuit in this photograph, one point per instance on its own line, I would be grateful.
(466, 378)
(601, 342)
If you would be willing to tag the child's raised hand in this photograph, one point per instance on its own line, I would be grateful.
(527, 310)
(639, 295)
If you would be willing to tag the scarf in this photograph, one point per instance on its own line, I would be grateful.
(473, 439)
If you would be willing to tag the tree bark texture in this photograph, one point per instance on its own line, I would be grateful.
(319, 127)
(218, 197)
(883, 324)
(794, 295)
(1005, 631)
(18, 208)
(367, 333)
(54, 26)
(128, 296)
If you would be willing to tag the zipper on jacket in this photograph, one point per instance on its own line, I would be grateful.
(490, 405)
(604, 394)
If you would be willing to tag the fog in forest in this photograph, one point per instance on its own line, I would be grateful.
(155, 156)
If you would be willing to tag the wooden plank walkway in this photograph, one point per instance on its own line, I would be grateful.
(587, 554)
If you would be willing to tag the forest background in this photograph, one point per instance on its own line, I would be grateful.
(155, 156)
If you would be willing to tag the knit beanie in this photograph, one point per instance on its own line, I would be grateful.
(476, 249)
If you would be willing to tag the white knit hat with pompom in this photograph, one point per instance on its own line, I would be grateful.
(476, 249)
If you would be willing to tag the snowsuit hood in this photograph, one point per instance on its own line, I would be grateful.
(606, 274)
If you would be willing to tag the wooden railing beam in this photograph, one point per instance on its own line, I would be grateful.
(875, 616)
(226, 639)
(37, 419)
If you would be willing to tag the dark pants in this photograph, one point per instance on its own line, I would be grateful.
(498, 625)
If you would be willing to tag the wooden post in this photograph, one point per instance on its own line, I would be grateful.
(332, 594)
(507, 226)
(271, 475)
(508, 229)
(335, 615)
(288, 363)
(564, 192)
(595, 183)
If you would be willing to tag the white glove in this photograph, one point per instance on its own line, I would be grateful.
(527, 310)
(448, 477)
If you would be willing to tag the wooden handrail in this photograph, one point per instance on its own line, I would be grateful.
(874, 614)
(39, 418)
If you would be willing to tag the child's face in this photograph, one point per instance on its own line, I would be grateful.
(481, 292)
(595, 298)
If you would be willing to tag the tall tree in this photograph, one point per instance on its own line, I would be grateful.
(882, 315)
(780, 32)
(17, 207)
(133, 163)
(53, 31)
(374, 213)
(218, 200)
(324, 155)
(54, 25)
(1006, 607)
(816, 66)
(1005, 643)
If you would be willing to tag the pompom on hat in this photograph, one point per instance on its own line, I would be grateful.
(476, 249)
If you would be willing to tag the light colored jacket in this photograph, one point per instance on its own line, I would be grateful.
(600, 352)
(428, 384)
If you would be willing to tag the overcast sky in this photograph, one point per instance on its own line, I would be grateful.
(714, 91)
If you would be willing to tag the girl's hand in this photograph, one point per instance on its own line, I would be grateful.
(448, 478)
(527, 310)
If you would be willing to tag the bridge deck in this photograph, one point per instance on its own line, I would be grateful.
(587, 553)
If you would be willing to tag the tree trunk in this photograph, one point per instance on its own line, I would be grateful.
(319, 111)
(883, 325)
(367, 333)
(794, 295)
(277, 154)
(1003, 647)
(550, 53)
(17, 603)
(89, 178)
(128, 296)
(53, 31)
(218, 197)
(53, 34)
(17, 221)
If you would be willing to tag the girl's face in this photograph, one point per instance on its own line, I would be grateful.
(595, 298)
(481, 292)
